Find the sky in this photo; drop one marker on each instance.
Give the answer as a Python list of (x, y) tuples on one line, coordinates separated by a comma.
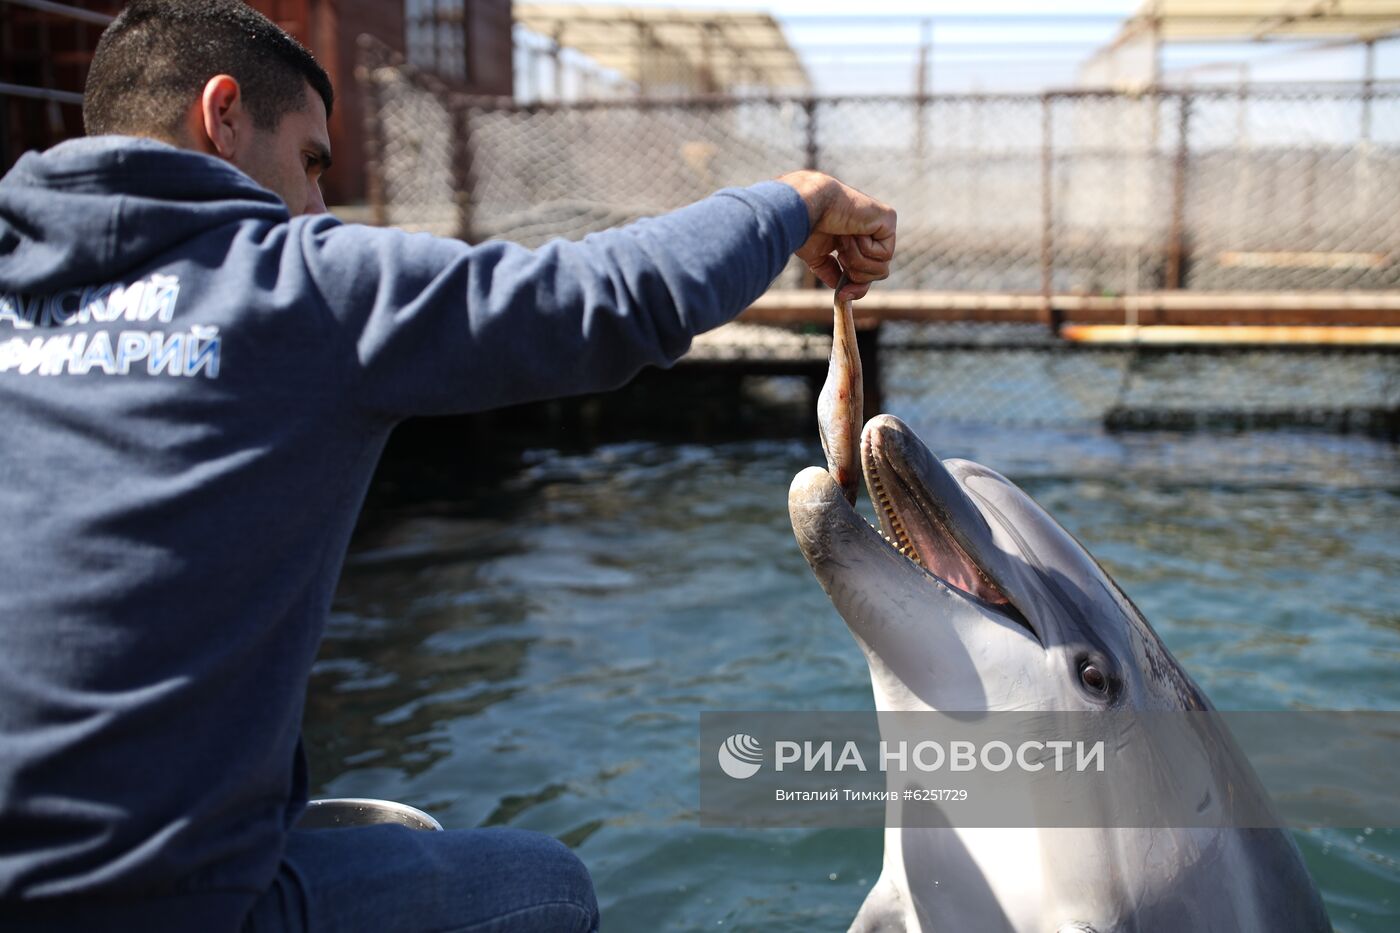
[(871, 46)]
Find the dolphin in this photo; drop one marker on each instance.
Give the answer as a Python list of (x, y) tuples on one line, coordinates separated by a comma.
[(971, 598)]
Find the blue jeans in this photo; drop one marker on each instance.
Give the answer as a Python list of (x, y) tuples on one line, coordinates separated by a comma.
[(383, 879)]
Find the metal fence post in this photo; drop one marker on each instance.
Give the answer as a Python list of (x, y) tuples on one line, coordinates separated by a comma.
[(1368, 90), (462, 165), (370, 56), (1051, 316), (1176, 247), (809, 107)]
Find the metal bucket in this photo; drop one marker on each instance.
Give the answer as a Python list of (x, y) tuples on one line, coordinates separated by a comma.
[(345, 812)]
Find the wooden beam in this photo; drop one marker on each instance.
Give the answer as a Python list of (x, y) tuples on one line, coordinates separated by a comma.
[(797, 307), (1232, 334), (1297, 259)]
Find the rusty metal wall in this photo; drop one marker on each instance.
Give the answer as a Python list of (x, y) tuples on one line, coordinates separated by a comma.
[(465, 42), (490, 48), (330, 29), (47, 50)]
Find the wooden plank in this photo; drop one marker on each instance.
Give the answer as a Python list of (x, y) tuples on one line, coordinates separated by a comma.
[(796, 307), (1235, 334), (1303, 260)]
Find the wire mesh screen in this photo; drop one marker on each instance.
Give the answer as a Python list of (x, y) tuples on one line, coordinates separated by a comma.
[(1024, 378), (1292, 191), (1110, 206), (416, 162), (1076, 193), (581, 170), (1079, 192), (965, 174)]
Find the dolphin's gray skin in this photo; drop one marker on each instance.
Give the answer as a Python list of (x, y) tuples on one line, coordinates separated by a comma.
[(976, 599)]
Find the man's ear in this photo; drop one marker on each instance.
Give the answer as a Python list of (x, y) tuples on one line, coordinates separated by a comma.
[(218, 121)]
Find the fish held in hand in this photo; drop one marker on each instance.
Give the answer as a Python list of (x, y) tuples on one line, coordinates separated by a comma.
[(841, 405)]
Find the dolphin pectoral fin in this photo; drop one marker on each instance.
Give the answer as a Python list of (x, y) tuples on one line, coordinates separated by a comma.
[(882, 912)]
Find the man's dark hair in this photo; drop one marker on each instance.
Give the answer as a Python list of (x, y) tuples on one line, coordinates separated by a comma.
[(154, 59)]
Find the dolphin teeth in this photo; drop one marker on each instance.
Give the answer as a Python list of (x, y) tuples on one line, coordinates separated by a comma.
[(900, 540)]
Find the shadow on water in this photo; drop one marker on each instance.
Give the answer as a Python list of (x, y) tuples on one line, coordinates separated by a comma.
[(533, 647)]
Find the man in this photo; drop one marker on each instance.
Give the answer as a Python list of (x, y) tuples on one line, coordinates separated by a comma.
[(198, 371)]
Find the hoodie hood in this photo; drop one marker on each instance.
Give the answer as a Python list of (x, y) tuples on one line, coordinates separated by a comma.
[(61, 228)]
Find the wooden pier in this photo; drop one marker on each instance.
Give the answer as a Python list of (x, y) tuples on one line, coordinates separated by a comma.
[(1174, 308), (751, 349), (789, 332)]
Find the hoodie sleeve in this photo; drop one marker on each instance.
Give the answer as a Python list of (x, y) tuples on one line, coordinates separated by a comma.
[(435, 326)]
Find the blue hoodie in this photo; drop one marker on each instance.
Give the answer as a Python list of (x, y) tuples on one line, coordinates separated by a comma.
[(194, 391)]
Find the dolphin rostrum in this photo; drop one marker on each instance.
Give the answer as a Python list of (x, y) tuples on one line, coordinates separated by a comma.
[(971, 598)]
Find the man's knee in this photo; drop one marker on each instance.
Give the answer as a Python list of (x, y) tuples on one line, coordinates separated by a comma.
[(553, 888)]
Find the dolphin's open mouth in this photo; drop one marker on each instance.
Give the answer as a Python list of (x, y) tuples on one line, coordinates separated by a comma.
[(927, 522), (914, 518)]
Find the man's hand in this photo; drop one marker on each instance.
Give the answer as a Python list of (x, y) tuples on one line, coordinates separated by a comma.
[(846, 225)]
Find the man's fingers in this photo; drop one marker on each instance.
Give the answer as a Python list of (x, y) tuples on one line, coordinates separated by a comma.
[(847, 224), (853, 290), (827, 269), (881, 249), (868, 217), (862, 268), (864, 240), (862, 261), (857, 283)]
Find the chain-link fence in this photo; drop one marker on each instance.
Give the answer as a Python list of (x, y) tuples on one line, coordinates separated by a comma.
[(1025, 378), (1071, 193), (1019, 374)]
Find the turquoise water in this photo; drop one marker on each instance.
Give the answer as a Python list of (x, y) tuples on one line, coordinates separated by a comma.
[(536, 653)]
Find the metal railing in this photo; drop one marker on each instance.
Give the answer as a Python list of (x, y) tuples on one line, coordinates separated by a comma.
[(64, 9), (44, 122)]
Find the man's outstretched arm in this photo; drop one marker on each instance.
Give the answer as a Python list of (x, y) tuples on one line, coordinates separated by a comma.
[(430, 325)]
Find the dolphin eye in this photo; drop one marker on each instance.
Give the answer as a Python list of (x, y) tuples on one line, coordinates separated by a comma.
[(1092, 677)]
